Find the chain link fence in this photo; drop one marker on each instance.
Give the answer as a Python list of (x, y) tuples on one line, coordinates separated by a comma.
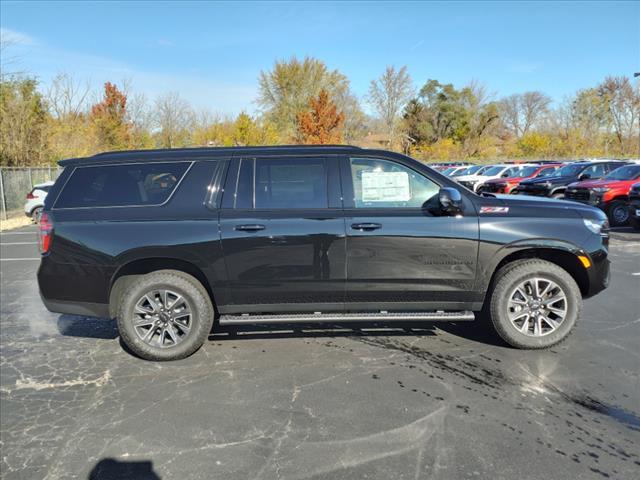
[(17, 182)]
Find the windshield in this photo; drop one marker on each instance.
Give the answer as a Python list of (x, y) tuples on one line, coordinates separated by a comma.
[(447, 171), (568, 170), (493, 171), (525, 172), (468, 171), (624, 173)]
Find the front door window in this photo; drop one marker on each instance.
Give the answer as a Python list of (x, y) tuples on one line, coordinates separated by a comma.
[(384, 184)]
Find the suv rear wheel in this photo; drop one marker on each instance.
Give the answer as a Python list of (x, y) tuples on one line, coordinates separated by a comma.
[(165, 315), (534, 304)]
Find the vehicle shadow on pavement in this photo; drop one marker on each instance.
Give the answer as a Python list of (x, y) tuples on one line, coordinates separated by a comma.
[(112, 469), (89, 327), (477, 331)]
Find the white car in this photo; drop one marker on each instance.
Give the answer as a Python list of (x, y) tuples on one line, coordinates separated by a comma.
[(473, 182), (35, 200)]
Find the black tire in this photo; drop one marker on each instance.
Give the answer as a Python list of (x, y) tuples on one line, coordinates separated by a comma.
[(511, 276), (201, 319), (618, 213), (635, 223), (558, 196), (35, 214)]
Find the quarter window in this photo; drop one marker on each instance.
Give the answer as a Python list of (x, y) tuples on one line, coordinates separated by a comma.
[(384, 184), (121, 185)]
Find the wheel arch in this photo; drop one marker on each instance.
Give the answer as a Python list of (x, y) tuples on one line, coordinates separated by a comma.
[(129, 271), (561, 255)]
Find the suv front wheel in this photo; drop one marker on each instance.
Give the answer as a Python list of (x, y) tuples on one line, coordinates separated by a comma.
[(165, 315), (534, 304)]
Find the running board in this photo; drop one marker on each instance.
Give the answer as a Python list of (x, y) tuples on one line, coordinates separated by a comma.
[(347, 317)]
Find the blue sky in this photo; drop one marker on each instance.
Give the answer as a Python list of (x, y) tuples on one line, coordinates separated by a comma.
[(212, 52)]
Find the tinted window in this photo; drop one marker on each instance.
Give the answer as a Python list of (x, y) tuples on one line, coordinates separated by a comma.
[(568, 171), (121, 185), (524, 172), (291, 183), (493, 170), (385, 184), (629, 172), (595, 171), (547, 172)]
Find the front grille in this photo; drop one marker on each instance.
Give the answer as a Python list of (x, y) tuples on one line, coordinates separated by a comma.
[(466, 184), (493, 187), (533, 190), (577, 194)]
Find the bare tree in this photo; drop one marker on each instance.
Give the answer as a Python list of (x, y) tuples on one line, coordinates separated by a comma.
[(174, 118), (623, 104), (67, 98), (389, 94), (520, 112), (8, 62)]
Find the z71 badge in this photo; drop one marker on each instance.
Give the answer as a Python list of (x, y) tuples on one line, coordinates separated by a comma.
[(494, 209)]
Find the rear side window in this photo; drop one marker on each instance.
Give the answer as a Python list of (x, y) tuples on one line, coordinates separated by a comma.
[(291, 183), (121, 185)]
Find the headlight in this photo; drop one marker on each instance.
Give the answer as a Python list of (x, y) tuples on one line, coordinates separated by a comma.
[(601, 189), (596, 226)]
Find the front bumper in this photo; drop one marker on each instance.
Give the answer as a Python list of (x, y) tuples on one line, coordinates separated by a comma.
[(539, 191), (599, 275), (84, 309)]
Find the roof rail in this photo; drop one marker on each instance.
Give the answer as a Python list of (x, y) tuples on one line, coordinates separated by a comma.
[(272, 147)]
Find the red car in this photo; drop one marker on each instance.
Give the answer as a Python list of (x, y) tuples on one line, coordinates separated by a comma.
[(609, 193), (507, 184)]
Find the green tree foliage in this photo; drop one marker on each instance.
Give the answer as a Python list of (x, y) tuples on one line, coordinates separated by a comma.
[(285, 91), (442, 112), (23, 119)]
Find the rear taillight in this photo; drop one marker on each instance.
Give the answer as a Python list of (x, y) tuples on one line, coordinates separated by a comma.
[(45, 232), (30, 196)]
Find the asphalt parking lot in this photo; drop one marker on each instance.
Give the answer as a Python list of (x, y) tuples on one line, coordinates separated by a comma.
[(339, 401)]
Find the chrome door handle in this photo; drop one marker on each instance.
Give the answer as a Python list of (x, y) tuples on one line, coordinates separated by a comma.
[(249, 228), (366, 226)]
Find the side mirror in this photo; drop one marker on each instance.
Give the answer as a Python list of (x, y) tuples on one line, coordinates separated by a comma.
[(584, 176), (450, 201), (505, 175)]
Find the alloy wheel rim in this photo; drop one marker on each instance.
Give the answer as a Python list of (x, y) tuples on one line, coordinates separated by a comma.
[(537, 306), (162, 318), (621, 214)]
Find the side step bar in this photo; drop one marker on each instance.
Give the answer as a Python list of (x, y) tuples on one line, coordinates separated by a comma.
[(347, 317)]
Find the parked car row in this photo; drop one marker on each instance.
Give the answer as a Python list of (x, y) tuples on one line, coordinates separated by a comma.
[(606, 184)]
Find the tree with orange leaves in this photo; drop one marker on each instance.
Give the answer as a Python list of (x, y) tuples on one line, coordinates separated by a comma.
[(109, 119), (322, 124)]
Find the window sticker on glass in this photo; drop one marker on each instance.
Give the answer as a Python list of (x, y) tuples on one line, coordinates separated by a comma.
[(385, 186)]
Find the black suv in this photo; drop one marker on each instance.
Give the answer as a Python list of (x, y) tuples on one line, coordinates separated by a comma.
[(167, 241), (554, 186)]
